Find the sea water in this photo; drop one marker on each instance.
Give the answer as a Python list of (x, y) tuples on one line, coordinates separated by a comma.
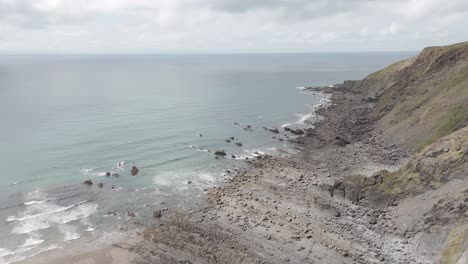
[(65, 119)]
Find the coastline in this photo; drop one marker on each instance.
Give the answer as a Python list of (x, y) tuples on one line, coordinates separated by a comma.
[(359, 189), (114, 253), (279, 208)]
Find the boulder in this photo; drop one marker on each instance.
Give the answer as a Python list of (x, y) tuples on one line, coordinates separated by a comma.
[(134, 171), (108, 174), (341, 141), (220, 153), (88, 182), (297, 131), (157, 213), (274, 130)]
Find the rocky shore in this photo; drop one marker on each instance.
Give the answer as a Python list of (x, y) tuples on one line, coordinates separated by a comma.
[(281, 209), (356, 192), (353, 193)]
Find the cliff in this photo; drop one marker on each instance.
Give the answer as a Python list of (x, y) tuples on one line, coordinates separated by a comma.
[(421, 104)]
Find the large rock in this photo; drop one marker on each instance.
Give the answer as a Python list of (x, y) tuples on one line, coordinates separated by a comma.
[(220, 153), (134, 171), (157, 213), (274, 130), (88, 182), (341, 141), (297, 131)]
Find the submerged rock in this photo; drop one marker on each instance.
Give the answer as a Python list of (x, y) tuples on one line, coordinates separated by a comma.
[(88, 182), (134, 171), (274, 130), (108, 174), (100, 185), (116, 175), (220, 153), (238, 144)]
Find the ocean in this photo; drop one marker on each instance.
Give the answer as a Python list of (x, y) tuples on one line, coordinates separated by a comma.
[(70, 118)]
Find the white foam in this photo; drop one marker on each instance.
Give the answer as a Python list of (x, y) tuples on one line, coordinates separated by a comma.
[(59, 209), (303, 118), (93, 172), (36, 252), (199, 148), (286, 125), (35, 202), (206, 177), (52, 215), (32, 242), (69, 232), (9, 252), (5, 252)]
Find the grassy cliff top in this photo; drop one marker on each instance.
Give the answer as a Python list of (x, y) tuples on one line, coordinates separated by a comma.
[(423, 98)]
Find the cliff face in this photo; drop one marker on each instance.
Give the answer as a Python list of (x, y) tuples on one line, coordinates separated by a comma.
[(422, 104), (423, 98)]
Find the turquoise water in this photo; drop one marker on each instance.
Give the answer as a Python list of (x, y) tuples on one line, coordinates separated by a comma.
[(68, 118)]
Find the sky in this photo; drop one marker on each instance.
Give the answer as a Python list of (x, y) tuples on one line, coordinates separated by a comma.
[(229, 26)]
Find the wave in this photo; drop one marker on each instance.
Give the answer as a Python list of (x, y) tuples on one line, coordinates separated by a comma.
[(93, 172), (35, 202), (32, 242), (303, 118), (8, 252), (200, 148), (18, 258), (52, 215), (12, 218), (69, 232)]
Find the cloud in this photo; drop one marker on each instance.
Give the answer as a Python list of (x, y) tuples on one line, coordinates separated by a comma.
[(228, 25)]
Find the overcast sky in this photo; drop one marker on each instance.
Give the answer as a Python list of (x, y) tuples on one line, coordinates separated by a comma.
[(214, 26)]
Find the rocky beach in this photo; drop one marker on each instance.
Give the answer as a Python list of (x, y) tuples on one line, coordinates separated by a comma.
[(380, 178)]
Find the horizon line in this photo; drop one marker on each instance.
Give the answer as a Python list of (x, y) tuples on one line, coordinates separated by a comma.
[(202, 53)]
